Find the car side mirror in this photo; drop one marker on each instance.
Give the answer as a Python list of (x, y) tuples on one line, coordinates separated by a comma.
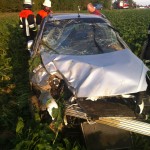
[(146, 51)]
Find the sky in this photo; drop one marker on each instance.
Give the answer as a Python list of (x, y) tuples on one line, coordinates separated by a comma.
[(142, 2)]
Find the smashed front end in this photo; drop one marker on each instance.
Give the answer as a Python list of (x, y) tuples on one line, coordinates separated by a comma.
[(83, 64)]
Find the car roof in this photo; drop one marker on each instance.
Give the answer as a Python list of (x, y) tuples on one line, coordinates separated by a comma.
[(74, 16)]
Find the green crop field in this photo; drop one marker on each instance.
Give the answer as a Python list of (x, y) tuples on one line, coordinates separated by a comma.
[(19, 127), (132, 26)]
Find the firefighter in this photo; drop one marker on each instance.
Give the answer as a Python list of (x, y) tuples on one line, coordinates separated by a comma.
[(27, 23), (44, 12), (93, 9)]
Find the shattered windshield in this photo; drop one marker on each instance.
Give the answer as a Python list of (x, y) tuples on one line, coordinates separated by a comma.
[(79, 37)]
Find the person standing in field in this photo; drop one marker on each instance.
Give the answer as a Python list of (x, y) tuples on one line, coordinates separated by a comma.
[(46, 10), (27, 23), (93, 9)]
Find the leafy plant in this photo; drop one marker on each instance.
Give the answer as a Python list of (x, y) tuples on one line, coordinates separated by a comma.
[(132, 26)]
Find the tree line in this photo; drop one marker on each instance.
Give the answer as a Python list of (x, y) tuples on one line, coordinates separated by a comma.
[(57, 5)]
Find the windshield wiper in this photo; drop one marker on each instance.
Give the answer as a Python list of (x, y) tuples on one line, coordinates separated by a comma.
[(113, 28)]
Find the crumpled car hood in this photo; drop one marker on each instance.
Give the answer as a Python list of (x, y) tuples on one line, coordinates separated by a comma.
[(108, 74)]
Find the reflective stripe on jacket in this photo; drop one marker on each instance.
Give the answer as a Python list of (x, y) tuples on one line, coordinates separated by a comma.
[(27, 21)]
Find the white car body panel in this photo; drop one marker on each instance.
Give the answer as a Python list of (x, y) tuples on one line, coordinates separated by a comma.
[(108, 74)]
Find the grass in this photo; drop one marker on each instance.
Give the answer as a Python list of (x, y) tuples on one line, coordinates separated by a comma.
[(20, 124)]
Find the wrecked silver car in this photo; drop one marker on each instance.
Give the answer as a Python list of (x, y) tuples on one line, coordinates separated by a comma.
[(82, 61)]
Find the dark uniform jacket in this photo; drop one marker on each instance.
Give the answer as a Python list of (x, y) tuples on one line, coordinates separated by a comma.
[(27, 23)]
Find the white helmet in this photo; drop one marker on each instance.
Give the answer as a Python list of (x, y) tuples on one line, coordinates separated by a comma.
[(29, 2), (47, 3)]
